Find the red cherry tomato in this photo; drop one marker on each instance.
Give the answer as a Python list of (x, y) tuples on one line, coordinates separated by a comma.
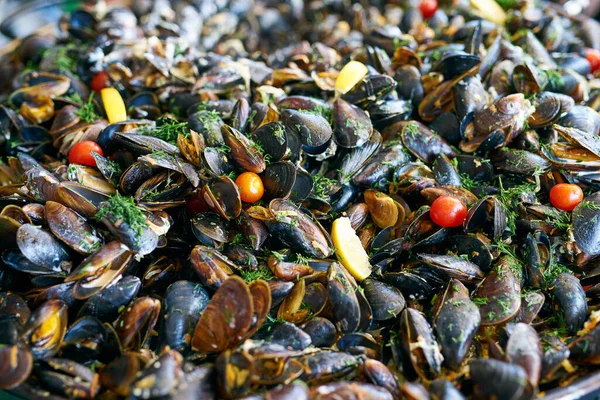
[(448, 211), (593, 56), (428, 8), (100, 81), (197, 204), (81, 153), (565, 196), (251, 187)]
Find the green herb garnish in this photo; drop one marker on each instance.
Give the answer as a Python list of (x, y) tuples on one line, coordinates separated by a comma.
[(260, 273), (167, 130), (87, 112), (123, 207)]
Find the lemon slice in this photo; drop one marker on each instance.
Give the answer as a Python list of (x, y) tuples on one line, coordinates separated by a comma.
[(349, 249), (113, 105), (490, 10), (350, 75)]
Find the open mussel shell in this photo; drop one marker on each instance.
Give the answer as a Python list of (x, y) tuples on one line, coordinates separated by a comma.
[(211, 230), (279, 179), (212, 267), (243, 152), (16, 363), (141, 241), (358, 159), (487, 215), (423, 142), (568, 292), (120, 372), (370, 89), (81, 199), (414, 328), (100, 269), (453, 266), (386, 301), (297, 230), (89, 340), (46, 328), (135, 324), (500, 379), (223, 197)]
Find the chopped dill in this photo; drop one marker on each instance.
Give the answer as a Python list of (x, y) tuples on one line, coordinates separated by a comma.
[(590, 205), (211, 117), (300, 259), (553, 269), (87, 112), (123, 207), (480, 301), (63, 57), (555, 79), (510, 198), (167, 130), (224, 149), (254, 275)]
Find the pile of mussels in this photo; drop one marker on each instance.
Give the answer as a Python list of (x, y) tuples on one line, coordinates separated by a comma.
[(148, 269)]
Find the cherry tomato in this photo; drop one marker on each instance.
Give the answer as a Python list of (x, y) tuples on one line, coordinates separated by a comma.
[(81, 153), (197, 204), (251, 187), (100, 81), (593, 56), (448, 211), (428, 8), (565, 196)]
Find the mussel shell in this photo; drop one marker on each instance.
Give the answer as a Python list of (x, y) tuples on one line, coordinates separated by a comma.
[(72, 229), (427, 360), (46, 328), (502, 293), (495, 378), (43, 249), (297, 230), (226, 319), (210, 229), (184, 302), (585, 231), (386, 301), (99, 269), (107, 303), (351, 125), (456, 323), (568, 292)]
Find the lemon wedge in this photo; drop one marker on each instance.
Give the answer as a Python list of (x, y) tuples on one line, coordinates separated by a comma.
[(349, 249), (490, 10), (113, 105), (350, 75)]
